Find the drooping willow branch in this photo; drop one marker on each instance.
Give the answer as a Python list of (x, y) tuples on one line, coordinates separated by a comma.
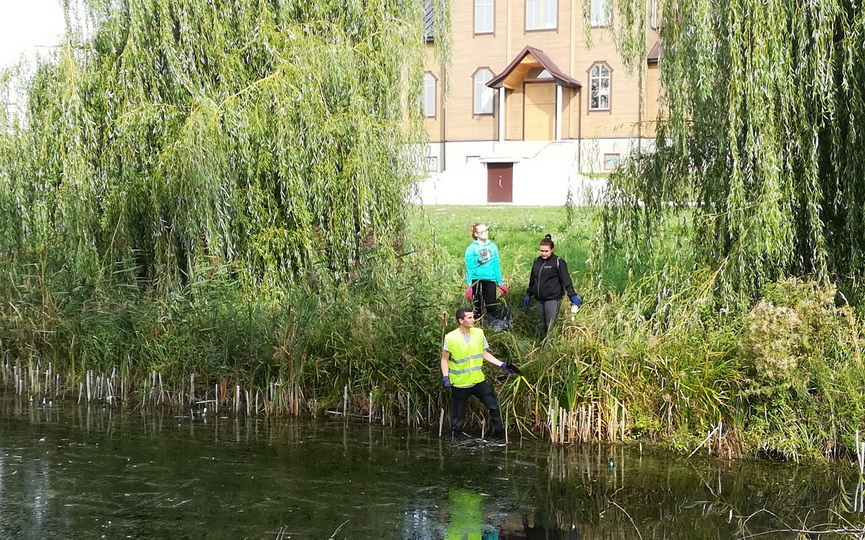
[(273, 136), (762, 117)]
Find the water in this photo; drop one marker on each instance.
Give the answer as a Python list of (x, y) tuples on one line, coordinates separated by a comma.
[(92, 472)]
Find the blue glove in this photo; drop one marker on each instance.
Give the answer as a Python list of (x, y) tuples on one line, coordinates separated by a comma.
[(506, 369), (446, 381), (527, 300), (575, 300)]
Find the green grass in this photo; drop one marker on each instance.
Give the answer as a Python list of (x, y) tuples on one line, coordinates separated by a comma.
[(517, 231), (784, 377), (651, 342)]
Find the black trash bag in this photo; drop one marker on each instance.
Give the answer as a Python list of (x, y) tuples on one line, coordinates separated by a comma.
[(503, 322)]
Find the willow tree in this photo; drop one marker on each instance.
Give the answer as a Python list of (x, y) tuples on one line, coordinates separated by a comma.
[(272, 137), (760, 137)]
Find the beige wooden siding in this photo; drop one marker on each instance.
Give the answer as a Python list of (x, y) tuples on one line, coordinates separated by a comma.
[(653, 88), (514, 114), (567, 47)]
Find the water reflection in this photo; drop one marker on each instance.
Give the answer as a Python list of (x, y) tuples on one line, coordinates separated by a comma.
[(465, 519), (469, 519), (81, 472)]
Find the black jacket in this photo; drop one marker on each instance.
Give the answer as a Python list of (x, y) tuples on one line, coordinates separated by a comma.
[(549, 279)]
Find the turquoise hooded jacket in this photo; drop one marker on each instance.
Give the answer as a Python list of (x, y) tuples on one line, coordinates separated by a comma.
[(482, 262)]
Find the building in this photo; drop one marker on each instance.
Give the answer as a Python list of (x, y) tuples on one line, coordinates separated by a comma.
[(540, 105)]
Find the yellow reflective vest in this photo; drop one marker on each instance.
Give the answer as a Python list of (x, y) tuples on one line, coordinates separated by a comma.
[(464, 365), (466, 519)]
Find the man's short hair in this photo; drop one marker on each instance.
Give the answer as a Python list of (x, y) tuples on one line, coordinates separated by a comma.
[(461, 313)]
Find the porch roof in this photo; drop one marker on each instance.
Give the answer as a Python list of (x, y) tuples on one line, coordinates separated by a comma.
[(530, 58)]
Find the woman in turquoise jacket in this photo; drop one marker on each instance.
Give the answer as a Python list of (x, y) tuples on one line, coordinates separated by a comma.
[(483, 272)]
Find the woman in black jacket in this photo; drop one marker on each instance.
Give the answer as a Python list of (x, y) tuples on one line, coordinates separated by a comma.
[(548, 282)]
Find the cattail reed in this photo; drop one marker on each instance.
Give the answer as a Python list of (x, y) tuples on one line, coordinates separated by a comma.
[(587, 422), (345, 401), (860, 455)]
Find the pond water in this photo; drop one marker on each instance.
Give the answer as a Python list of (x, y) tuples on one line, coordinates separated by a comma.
[(69, 471)]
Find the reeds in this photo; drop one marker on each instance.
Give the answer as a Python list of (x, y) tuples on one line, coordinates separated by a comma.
[(588, 422), (277, 398), (370, 353), (630, 366)]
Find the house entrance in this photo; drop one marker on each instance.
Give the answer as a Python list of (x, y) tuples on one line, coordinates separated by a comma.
[(500, 182), (539, 116)]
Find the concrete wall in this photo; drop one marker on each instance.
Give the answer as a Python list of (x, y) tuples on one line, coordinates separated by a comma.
[(543, 172)]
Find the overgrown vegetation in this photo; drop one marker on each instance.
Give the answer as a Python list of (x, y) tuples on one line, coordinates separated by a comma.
[(651, 356), (217, 188), (229, 213), (763, 102), (744, 229)]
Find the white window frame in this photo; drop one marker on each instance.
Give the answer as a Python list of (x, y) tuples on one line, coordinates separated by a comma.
[(542, 14), (602, 13), (597, 73), (484, 16), (482, 95), (654, 21), (428, 97)]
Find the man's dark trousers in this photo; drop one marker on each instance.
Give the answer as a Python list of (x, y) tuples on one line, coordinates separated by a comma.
[(485, 393)]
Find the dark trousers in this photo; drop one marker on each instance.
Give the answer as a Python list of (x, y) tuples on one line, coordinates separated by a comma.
[(485, 393), (548, 312), (484, 295)]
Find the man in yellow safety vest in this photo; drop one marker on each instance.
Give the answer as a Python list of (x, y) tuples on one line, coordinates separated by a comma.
[(463, 353)]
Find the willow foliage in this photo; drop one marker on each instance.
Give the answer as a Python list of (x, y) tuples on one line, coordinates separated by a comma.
[(758, 143), (271, 136)]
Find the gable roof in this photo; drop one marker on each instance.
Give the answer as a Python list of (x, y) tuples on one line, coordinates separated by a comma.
[(527, 59)]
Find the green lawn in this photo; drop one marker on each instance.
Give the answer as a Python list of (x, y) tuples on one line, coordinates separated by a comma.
[(516, 230)]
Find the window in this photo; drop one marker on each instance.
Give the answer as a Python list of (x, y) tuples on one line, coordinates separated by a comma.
[(599, 87), (429, 95), (432, 164), (541, 14), (484, 23), (602, 12), (538, 73), (611, 161), (483, 93), (653, 16)]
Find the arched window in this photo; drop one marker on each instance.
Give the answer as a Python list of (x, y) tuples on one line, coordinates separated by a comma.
[(483, 93), (429, 95), (600, 83)]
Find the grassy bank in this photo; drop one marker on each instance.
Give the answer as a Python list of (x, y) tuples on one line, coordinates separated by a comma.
[(649, 356), (213, 223), (780, 377)]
